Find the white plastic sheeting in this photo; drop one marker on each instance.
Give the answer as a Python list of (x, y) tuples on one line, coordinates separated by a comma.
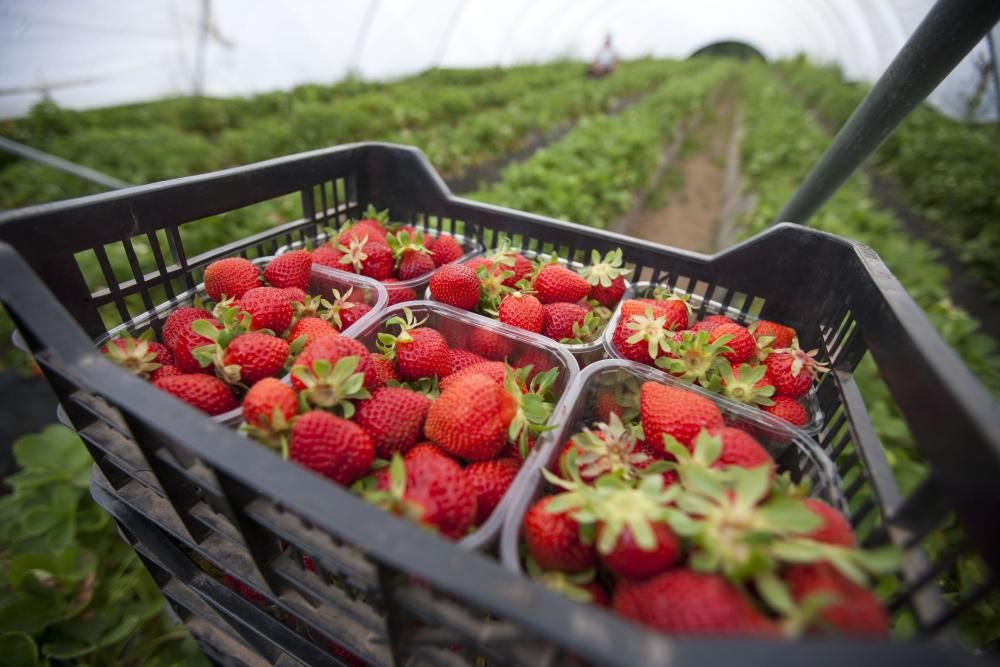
[(101, 52)]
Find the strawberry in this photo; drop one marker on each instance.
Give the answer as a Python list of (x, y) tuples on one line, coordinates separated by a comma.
[(270, 405), (490, 481), (692, 357), (268, 308), (343, 655), (788, 409), (204, 392), (350, 313), (332, 371), (523, 311), (773, 335), (606, 278), (333, 447), (294, 295), (165, 371), (680, 413), (642, 307), (852, 609), (425, 448), (251, 357), (506, 261), (563, 320), (369, 258), (494, 370), (677, 312), (538, 359), (431, 489), (745, 383), (246, 592), (456, 285), (419, 352), (685, 602), (180, 320), (711, 322), (628, 558), (230, 277), (609, 448), (312, 328), (415, 264), (835, 529), (742, 345), (398, 294), (791, 371), (394, 419), (328, 256), (553, 539), (642, 338), (139, 357), (293, 269), (557, 283), (446, 250), (471, 418), (490, 344), (739, 448), (463, 358), (476, 263), (384, 370), (186, 342)]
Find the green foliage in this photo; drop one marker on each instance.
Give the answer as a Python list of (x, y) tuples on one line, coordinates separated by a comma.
[(773, 166), (948, 170), (71, 589)]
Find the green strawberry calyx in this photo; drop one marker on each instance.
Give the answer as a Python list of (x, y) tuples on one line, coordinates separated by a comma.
[(387, 343), (272, 431), (332, 387), (587, 330), (604, 271), (572, 585), (612, 448), (745, 386), (403, 242), (234, 323), (492, 290), (650, 329), (534, 404), (372, 213), (696, 358), (135, 355)]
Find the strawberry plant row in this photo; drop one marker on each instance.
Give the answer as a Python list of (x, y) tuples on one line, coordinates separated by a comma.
[(591, 174)]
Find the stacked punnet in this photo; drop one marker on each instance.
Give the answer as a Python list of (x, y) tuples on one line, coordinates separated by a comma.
[(246, 326), (760, 364), (675, 514)]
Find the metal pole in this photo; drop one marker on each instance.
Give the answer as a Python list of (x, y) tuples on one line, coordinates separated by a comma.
[(50, 160), (946, 35), (993, 69)]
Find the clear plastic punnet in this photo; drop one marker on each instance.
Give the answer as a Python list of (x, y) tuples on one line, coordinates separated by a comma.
[(699, 304), (468, 331), (792, 449)]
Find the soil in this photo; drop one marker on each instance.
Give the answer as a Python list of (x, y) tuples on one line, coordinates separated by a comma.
[(694, 207)]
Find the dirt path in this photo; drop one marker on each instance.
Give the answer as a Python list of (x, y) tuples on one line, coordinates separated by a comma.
[(687, 208)]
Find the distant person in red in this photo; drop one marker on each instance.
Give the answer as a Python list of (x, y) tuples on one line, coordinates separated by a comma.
[(606, 60)]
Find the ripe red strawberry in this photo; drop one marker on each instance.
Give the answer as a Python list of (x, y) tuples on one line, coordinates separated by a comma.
[(606, 277), (739, 448), (139, 357), (394, 419), (643, 338), (791, 372), (369, 227), (333, 447), (205, 392), (422, 353), (680, 413), (414, 264), (519, 265), (789, 409), (268, 308), (627, 559), (246, 592), (835, 529), (633, 307), (332, 349), (494, 370), (782, 336), (463, 358), (490, 481), (490, 344), (312, 328), (608, 296), (742, 345), (445, 250), (230, 277), (330, 257), (262, 399), (251, 357), (293, 269), (678, 313), (398, 293), (294, 295), (165, 371), (854, 610), (438, 492), (347, 313), (539, 360), (684, 602), (607, 448), (553, 540), (456, 285), (343, 655), (384, 370), (560, 318), (372, 258), (470, 418), (425, 448), (180, 320), (476, 262), (523, 311), (185, 343), (557, 283)]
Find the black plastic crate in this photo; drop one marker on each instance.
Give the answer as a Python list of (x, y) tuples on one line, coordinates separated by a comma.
[(222, 491)]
